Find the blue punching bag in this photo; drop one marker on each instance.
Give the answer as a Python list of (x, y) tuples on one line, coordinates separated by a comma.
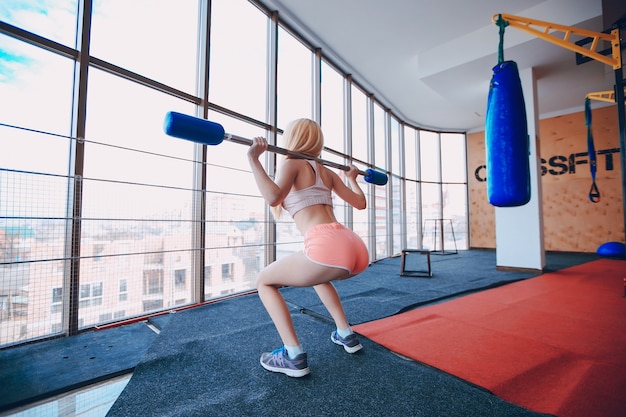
[(506, 139)]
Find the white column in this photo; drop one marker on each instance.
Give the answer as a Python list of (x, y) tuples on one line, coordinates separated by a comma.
[(519, 230)]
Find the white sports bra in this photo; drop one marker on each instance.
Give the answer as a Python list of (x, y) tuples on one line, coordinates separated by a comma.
[(318, 193)]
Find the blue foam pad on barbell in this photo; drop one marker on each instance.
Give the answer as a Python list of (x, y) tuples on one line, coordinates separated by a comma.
[(191, 128), (375, 177)]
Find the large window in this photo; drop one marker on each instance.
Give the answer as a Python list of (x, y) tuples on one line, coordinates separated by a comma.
[(104, 217)]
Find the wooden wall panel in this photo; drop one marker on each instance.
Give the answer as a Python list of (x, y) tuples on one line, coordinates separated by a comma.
[(571, 221), (481, 213)]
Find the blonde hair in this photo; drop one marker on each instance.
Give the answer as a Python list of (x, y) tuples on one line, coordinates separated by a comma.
[(303, 136)]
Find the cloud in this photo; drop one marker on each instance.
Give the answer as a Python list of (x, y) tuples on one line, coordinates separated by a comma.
[(10, 63)]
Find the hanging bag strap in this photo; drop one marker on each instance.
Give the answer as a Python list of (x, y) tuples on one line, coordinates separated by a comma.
[(501, 24), (594, 193)]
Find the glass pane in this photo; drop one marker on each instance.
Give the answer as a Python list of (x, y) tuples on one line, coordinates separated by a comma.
[(410, 153), (396, 183), (288, 237), (333, 123), (54, 20), (231, 154), (431, 213), (396, 187), (382, 234), (455, 210), (431, 188), (235, 214), (380, 152), (332, 108), (33, 198), (413, 215), (137, 201), (429, 157), (360, 218), (295, 79), (36, 88), (396, 155), (141, 36), (454, 164), (359, 125), (380, 138), (340, 208), (238, 64)]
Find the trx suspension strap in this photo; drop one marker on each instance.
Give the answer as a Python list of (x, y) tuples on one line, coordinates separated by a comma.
[(594, 193)]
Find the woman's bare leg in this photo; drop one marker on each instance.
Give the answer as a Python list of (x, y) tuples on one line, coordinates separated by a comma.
[(295, 270), (330, 298)]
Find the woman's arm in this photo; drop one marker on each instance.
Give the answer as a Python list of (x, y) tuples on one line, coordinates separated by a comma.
[(273, 192), (351, 194)]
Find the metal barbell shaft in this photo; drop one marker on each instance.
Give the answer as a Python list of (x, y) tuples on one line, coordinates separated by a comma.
[(206, 132)]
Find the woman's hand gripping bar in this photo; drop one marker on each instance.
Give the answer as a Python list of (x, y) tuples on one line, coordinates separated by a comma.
[(203, 131)]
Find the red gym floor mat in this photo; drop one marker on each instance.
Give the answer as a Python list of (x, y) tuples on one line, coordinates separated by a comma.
[(554, 344)]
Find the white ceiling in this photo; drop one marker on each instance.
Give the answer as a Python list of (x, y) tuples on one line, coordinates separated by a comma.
[(430, 61)]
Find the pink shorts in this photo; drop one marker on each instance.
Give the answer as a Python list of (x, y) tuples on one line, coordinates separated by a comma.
[(334, 245)]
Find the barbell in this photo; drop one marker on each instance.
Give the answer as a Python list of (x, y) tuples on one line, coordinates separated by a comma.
[(206, 132)]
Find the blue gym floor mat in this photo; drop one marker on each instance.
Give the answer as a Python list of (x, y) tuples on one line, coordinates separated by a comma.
[(205, 363)]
